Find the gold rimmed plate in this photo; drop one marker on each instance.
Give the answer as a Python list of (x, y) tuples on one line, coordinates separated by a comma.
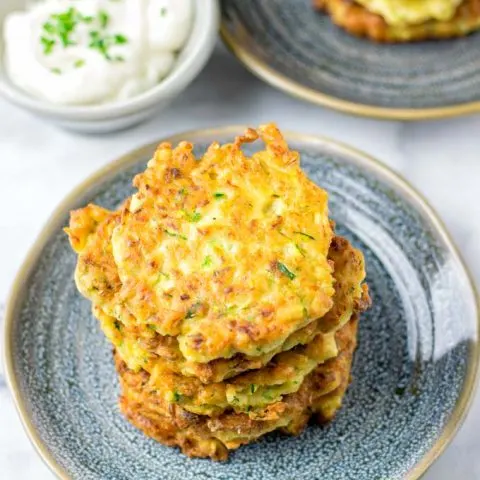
[(298, 50), (414, 371)]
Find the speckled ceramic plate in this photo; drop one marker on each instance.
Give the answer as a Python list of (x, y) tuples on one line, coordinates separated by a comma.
[(413, 375), (300, 51)]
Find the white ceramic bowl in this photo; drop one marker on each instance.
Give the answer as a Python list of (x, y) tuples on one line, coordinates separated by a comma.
[(120, 115)]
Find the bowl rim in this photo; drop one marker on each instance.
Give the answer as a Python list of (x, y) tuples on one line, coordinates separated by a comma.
[(358, 157), (203, 37), (282, 82)]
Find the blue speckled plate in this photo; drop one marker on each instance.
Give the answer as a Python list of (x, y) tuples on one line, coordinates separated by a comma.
[(413, 375), (300, 51)]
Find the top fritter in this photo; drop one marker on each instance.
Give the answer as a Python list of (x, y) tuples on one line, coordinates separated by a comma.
[(227, 253)]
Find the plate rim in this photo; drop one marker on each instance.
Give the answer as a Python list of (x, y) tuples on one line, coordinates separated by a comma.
[(370, 163), (283, 83)]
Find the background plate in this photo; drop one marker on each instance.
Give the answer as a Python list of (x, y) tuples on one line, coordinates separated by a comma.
[(300, 51), (413, 375)]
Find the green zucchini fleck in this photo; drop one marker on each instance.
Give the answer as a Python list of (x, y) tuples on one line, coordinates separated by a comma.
[(305, 235), (282, 268)]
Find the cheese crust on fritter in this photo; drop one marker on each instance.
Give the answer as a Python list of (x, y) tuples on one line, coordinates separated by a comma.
[(201, 436), (356, 19), (228, 253)]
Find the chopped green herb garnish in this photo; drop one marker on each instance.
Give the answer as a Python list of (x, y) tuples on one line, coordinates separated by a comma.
[(285, 271), (227, 310), (193, 217), (163, 11), (151, 327), (300, 249), (79, 63), (182, 191), (49, 28), (102, 42), (207, 261), (235, 399), (60, 27), (282, 234), (120, 39), (253, 388), (305, 235), (176, 396), (63, 25), (103, 18), (219, 195), (57, 71), (192, 311), (163, 275), (117, 324), (48, 45), (174, 234)]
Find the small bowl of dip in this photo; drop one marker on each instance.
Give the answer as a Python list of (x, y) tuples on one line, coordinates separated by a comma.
[(102, 65)]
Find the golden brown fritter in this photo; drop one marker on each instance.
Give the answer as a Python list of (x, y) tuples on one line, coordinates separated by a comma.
[(249, 392), (96, 274), (255, 390), (229, 253), (202, 436), (359, 21), (143, 348), (140, 345)]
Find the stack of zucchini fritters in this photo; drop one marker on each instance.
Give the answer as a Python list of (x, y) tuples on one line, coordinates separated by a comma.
[(230, 302)]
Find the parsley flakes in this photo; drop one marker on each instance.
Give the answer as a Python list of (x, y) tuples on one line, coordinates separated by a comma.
[(60, 28)]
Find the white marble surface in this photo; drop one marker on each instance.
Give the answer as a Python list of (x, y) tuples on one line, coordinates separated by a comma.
[(39, 165)]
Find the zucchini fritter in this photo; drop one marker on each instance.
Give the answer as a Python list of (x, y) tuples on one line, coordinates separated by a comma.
[(144, 348), (358, 20), (203, 436), (255, 390), (228, 253)]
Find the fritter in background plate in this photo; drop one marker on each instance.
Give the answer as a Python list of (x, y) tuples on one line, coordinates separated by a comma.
[(356, 19)]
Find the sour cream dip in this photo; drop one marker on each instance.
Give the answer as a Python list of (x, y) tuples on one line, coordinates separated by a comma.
[(89, 52)]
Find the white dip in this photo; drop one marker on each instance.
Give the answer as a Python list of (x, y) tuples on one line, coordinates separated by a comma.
[(85, 52)]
